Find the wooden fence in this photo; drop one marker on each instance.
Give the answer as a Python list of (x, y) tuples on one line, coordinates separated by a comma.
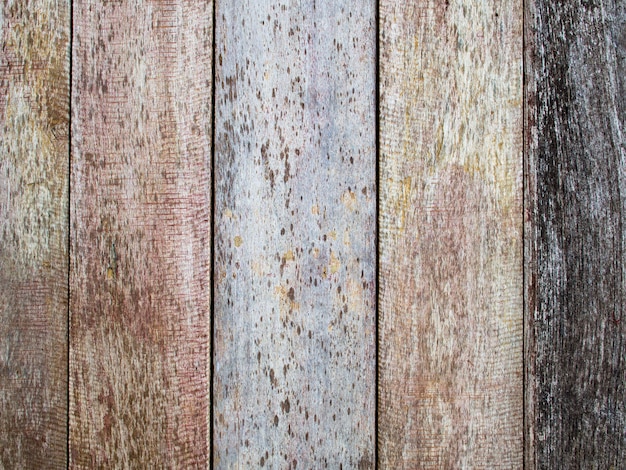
[(312, 234)]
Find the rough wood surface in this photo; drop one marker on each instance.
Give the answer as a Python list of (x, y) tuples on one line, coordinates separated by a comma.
[(295, 234), (140, 234), (451, 310), (34, 123), (577, 85)]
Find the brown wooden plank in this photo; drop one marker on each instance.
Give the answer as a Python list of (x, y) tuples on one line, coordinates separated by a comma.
[(577, 111), (140, 241), (34, 123), (295, 234), (451, 307)]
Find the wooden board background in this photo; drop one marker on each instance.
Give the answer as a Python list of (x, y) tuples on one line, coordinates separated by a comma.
[(295, 235), (451, 313), (140, 239), (576, 74), (34, 155)]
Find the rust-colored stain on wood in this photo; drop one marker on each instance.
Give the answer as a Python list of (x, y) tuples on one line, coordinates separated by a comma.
[(140, 242), (450, 317), (34, 123)]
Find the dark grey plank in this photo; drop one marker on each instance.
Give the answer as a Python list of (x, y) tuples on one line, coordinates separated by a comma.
[(576, 400)]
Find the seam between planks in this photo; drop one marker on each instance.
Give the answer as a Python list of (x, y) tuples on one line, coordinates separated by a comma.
[(377, 210), (69, 228), (529, 266), (524, 181), (212, 242)]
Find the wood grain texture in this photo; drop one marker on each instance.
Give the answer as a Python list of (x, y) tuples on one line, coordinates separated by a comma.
[(34, 123), (295, 234), (577, 111), (451, 223), (140, 241)]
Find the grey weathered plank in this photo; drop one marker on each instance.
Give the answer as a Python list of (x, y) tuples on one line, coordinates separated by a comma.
[(295, 234), (451, 223), (34, 123), (140, 239), (577, 111)]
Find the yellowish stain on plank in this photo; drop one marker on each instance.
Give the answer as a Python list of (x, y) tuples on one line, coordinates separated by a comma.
[(34, 154), (450, 324)]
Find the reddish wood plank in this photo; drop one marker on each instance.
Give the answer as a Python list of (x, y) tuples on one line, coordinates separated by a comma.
[(450, 324), (140, 246), (34, 123), (295, 234), (576, 85)]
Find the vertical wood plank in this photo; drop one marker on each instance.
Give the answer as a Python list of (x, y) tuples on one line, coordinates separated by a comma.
[(34, 123), (140, 247), (295, 234), (577, 110), (451, 283)]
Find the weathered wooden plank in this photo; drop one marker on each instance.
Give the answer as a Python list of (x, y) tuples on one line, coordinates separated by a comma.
[(34, 123), (577, 111), (451, 307), (140, 241), (295, 234)]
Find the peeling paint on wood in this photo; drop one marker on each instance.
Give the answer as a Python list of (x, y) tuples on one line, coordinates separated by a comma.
[(576, 79), (140, 228), (295, 235), (451, 309), (34, 123)]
